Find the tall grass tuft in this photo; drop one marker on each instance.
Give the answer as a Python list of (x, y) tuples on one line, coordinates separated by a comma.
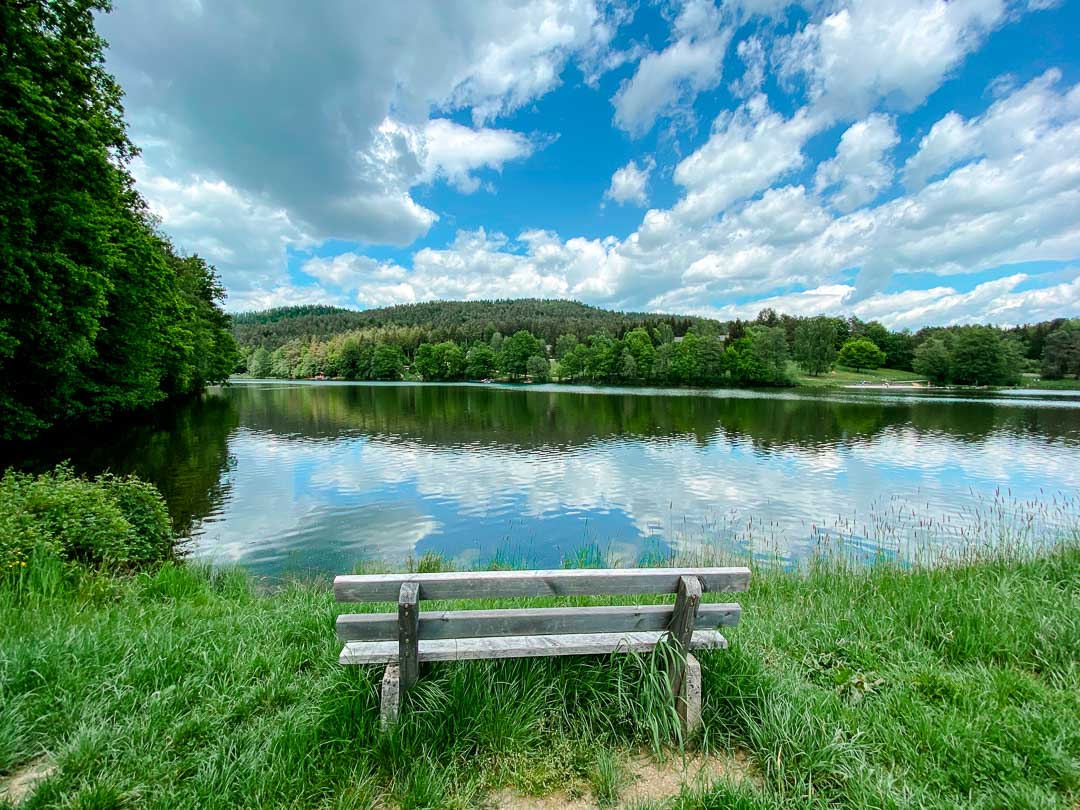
[(606, 778)]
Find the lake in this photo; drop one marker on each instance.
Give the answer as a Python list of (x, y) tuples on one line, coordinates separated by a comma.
[(314, 478)]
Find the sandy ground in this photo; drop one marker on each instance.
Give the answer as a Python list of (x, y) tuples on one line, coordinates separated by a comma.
[(901, 386), (646, 780), (18, 786)]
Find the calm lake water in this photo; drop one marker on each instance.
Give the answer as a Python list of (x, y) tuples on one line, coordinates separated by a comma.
[(312, 478)]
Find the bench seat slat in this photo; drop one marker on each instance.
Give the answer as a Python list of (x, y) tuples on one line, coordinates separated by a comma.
[(532, 621), (464, 649), (557, 582)]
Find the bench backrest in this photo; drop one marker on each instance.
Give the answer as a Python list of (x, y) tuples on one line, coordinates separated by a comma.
[(409, 589)]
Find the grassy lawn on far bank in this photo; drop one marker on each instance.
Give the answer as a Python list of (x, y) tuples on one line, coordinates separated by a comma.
[(842, 375), (1033, 381), (847, 688)]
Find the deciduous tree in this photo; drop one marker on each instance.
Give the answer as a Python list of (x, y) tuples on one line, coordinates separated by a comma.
[(538, 368), (815, 345), (932, 360), (860, 353), (1061, 351), (479, 362), (980, 357)]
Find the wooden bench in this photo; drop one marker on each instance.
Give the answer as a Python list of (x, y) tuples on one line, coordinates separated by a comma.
[(408, 638)]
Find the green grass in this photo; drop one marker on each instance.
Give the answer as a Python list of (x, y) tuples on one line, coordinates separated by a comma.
[(606, 778), (842, 375), (1050, 385), (846, 688)]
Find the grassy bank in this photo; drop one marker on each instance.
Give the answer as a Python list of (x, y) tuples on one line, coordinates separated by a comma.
[(1050, 385), (843, 688), (841, 375)]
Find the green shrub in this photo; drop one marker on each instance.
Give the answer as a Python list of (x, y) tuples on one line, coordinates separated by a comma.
[(143, 508), (119, 522)]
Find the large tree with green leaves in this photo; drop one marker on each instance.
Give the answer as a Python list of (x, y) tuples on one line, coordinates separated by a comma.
[(97, 312), (515, 351), (639, 347), (932, 360), (538, 368), (981, 356), (759, 358), (815, 345), (860, 353), (479, 362), (1061, 351)]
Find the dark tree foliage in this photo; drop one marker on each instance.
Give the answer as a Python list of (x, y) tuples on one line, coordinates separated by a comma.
[(479, 362), (513, 358), (1061, 351), (1033, 336), (981, 356), (815, 344), (899, 348), (461, 321), (708, 353), (98, 314), (538, 368), (441, 362), (932, 360)]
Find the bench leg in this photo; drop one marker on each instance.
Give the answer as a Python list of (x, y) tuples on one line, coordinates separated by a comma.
[(689, 698), (391, 697)]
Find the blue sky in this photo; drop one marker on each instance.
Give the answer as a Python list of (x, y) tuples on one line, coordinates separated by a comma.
[(913, 161)]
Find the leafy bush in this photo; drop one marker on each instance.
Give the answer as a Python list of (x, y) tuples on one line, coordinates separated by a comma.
[(144, 508), (114, 521)]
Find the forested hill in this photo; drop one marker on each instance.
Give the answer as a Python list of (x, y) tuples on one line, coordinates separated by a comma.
[(462, 321)]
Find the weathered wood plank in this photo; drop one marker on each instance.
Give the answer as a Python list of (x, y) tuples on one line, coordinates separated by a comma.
[(505, 584), (408, 634), (532, 621), (683, 620), (382, 652), (689, 700), (390, 697)]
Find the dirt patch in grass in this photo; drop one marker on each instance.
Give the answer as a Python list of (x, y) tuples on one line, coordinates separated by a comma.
[(653, 781), (15, 788), (646, 780), (509, 800)]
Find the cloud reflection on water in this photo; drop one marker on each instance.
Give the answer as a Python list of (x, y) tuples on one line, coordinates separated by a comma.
[(322, 477)]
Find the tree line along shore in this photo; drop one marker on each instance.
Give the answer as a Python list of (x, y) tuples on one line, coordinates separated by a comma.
[(554, 342)]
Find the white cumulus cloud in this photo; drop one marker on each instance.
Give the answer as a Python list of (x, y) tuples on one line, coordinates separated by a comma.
[(336, 130), (667, 80), (446, 150), (748, 150), (290, 109), (861, 169), (899, 51), (1013, 123), (628, 183)]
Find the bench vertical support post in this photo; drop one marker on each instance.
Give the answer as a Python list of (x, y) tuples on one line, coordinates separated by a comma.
[(390, 698), (409, 634), (689, 700), (683, 619)]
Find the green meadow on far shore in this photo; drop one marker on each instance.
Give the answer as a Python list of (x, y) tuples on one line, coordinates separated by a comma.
[(1050, 385), (841, 375), (844, 376), (844, 687)]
